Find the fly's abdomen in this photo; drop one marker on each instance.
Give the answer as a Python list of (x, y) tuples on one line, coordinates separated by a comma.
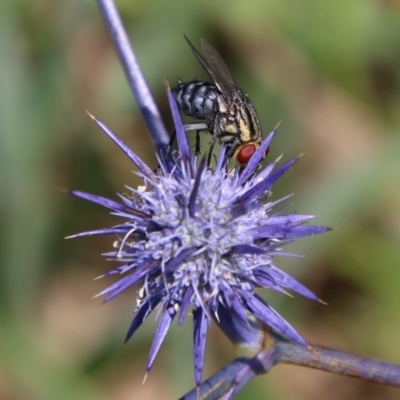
[(196, 99)]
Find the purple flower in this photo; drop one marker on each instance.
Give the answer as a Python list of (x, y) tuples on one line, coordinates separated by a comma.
[(198, 241)]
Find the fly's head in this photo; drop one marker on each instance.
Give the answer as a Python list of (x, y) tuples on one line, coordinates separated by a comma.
[(245, 151)]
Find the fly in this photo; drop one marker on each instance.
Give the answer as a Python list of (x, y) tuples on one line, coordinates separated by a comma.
[(226, 110)]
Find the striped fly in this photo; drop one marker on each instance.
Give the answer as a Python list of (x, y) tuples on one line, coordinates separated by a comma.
[(221, 107)]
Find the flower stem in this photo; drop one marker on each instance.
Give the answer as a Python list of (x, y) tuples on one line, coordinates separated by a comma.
[(340, 363), (230, 379), (134, 75)]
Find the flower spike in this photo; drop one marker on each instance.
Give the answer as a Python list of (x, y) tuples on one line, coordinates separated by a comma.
[(200, 241)]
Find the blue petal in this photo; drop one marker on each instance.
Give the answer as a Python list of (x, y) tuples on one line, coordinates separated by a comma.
[(245, 249), (181, 137), (195, 190), (103, 201), (185, 305), (166, 163), (266, 171), (232, 301), (307, 230), (147, 307), (287, 227), (171, 264), (269, 231), (283, 279), (116, 271), (261, 187), (133, 157), (98, 232), (118, 287), (162, 329), (270, 317), (290, 219), (265, 281), (200, 322), (239, 331), (221, 159)]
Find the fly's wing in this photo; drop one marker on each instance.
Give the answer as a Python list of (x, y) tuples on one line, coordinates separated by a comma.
[(215, 68), (217, 65)]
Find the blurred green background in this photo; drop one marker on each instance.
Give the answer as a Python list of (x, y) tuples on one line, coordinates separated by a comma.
[(330, 71)]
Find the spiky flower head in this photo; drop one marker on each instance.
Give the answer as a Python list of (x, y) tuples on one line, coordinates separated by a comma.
[(198, 241)]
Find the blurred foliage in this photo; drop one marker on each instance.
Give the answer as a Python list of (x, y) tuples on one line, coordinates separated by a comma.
[(330, 71)]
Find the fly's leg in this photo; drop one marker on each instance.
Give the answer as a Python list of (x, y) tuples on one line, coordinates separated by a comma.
[(201, 126), (210, 152), (170, 144), (198, 127), (168, 152), (197, 146)]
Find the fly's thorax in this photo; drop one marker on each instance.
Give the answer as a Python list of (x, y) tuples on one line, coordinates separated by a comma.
[(228, 128), (221, 104), (249, 126), (255, 122), (225, 124), (239, 122), (244, 128)]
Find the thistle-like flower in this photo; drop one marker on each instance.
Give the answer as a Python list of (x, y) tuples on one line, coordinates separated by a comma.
[(199, 241)]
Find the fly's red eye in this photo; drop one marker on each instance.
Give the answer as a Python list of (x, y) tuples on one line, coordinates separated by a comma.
[(245, 153)]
